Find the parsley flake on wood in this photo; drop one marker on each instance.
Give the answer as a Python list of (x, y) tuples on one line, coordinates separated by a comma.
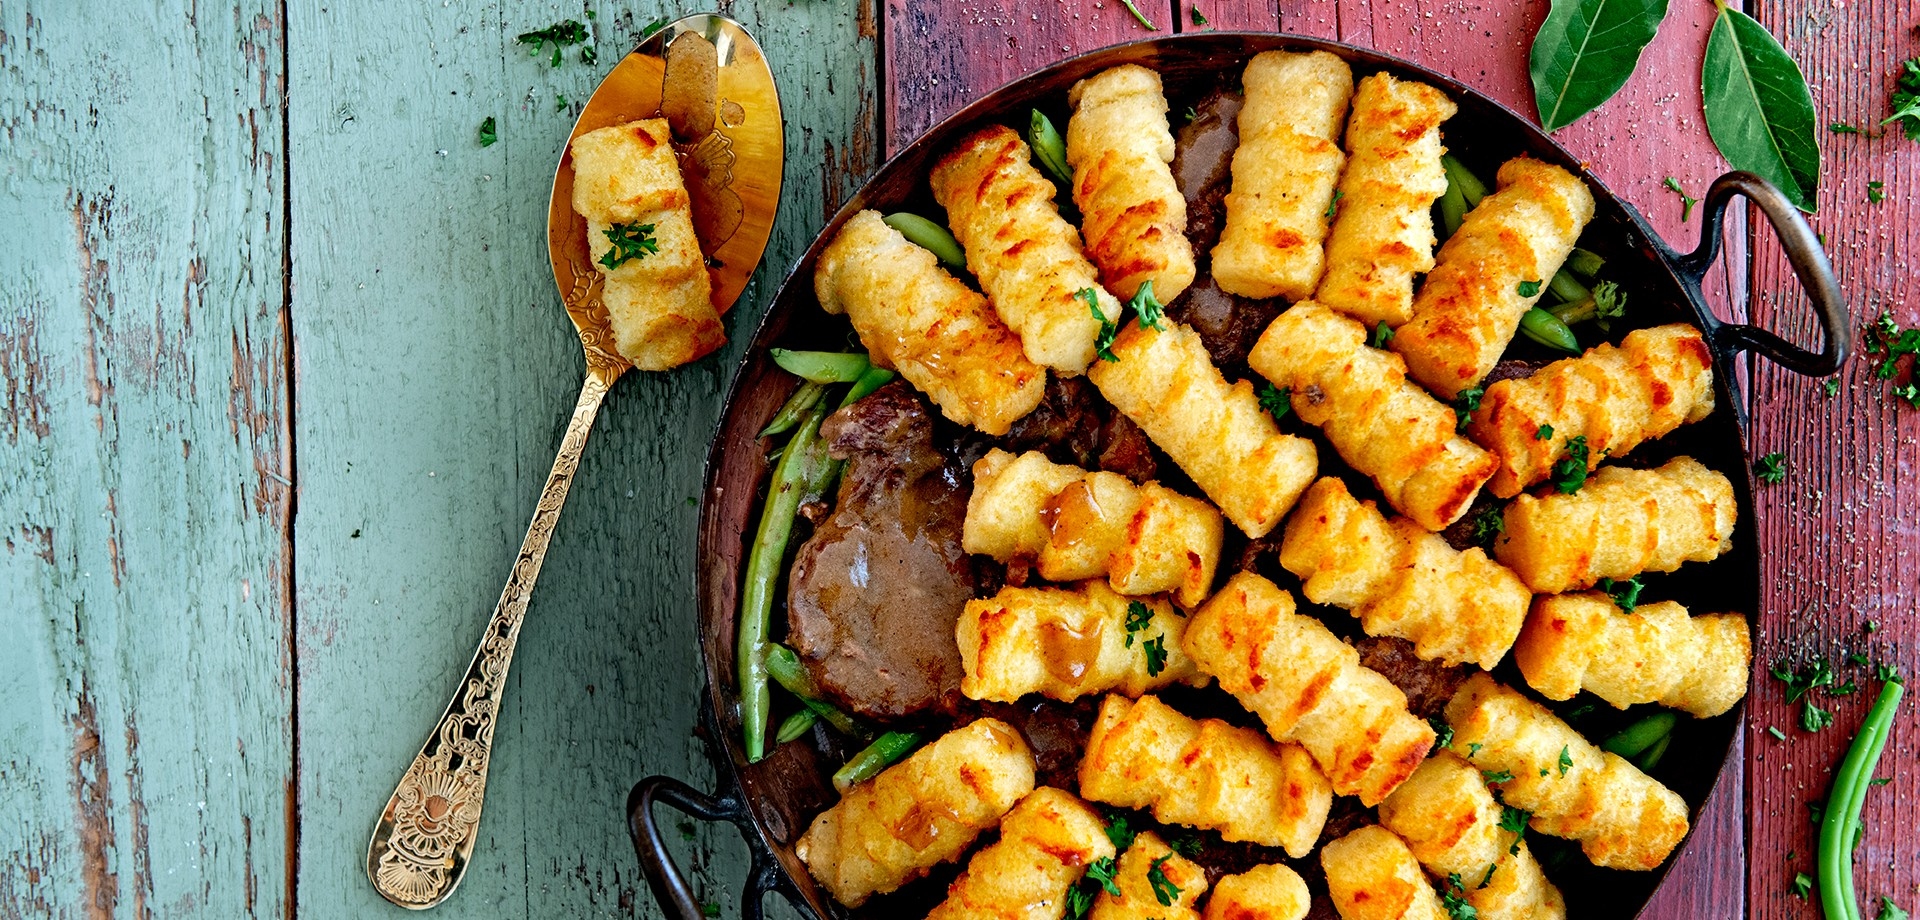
[(1876, 191), (1198, 19), (1529, 288), (1333, 207), (1164, 890), (1817, 674), (1142, 17), (1156, 649), (1139, 616), (1880, 781), (559, 103), (560, 35), (489, 132), (1841, 127), (1109, 328), (1570, 471), (1147, 307), (1686, 201), (1889, 910), (1813, 718), (629, 242), (1488, 524), (1830, 388), (1277, 401), (1625, 594), (1465, 403), (1802, 886), (1906, 99), (1772, 468), (1777, 734), (1545, 433), (1382, 334)]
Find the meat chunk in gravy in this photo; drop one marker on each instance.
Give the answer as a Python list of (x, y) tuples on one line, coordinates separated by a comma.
[(874, 594)]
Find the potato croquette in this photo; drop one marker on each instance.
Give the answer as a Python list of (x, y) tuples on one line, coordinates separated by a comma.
[(1654, 654), (1204, 773), (1067, 643), (1308, 687), (1451, 823), (918, 813), (1165, 382), (1383, 225), (1284, 173), (1616, 398), (938, 333), (660, 303), (1181, 883), (1400, 580), (1622, 818), (1131, 211), (1372, 876), (1470, 305), (1027, 257), (1620, 523), (1269, 892), (1045, 844), (1381, 423)]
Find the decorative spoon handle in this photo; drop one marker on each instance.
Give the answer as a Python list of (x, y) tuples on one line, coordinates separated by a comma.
[(425, 835)]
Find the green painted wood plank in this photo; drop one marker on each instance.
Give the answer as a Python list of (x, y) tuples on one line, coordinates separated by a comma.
[(434, 371), (145, 756)]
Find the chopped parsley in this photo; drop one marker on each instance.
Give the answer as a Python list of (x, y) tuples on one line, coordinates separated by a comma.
[(1544, 433), (1686, 201), (1777, 734), (489, 132), (1138, 617), (1880, 781), (1191, 114), (1488, 524), (1488, 879), (1164, 890), (1473, 748), (1147, 307), (1608, 303), (1442, 734), (1102, 346), (1906, 99), (1503, 776), (1101, 871), (1772, 468), (1889, 910), (1887, 673), (1156, 649), (656, 25), (1198, 19), (1813, 718), (709, 908), (1453, 898), (560, 35), (1333, 207), (1514, 820), (1142, 17), (1382, 335), (1802, 886), (1876, 192), (1118, 832), (1529, 288), (1465, 403), (1570, 471), (1830, 388), (1079, 901), (629, 242), (1188, 846), (559, 103), (1566, 760), (1847, 689), (1841, 127), (1277, 401), (1625, 594)]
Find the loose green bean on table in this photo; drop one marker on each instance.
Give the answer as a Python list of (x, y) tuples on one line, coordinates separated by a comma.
[(1840, 823)]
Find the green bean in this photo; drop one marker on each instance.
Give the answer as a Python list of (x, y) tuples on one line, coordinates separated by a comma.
[(1639, 736), (783, 665), (795, 409), (873, 379), (795, 725), (1548, 330), (1458, 175), (1841, 819), (1650, 757), (1567, 288), (878, 756), (764, 564), (1578, 311), (1048, 147), (1453, 209), (930, 236), (822, 366), (1586, 264)]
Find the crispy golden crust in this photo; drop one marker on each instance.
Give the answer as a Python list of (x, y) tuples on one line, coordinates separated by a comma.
[(1372, 876), (1623, 818), (1381, 423), (1383, 227), (1204, 773), (1144, 539), (1045, 844), (1401, 580), (913, 316), (1283, 174), (1027, 257), (1470, 304), (1131, 212), (1309, 687), (1616, 398), (1067, 643), (1656, 654), (1137, 899), (1622, 522), (1451, 824), (660, 304), (1269, 892), (1218, 434), (920, 812)]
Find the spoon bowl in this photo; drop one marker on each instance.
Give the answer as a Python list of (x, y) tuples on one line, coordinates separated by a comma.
[(708, 78)]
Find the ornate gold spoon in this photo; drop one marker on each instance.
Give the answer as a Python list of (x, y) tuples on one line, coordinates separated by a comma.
[(708, 78)]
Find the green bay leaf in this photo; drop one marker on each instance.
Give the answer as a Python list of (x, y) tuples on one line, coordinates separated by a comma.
[(1585, 51), (1759, 112)]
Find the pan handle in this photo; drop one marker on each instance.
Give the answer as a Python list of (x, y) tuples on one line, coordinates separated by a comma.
[(1804, 253), (670, 887)]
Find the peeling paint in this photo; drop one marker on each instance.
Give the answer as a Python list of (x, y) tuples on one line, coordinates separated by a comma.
[(93, 811)]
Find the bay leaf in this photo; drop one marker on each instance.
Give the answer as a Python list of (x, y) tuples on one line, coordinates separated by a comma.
[(1585, 51), (1759, 112)]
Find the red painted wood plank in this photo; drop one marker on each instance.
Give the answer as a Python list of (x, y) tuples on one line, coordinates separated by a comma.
[(1842, 524)]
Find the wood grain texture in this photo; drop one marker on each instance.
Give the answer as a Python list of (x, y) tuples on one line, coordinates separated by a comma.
[(435, 369), (1842, 525), (145, 757)]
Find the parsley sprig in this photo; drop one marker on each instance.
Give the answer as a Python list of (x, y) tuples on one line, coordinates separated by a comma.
[(629, 242), (1454, 898), (1906, 99), (1885, 338), (559, 35), (1147, 307), (1686, 201), (1488, 524), (1164, 890), (1465, 403), (1570, 471), (1625, 594), (1109, 328), (1278, 401)]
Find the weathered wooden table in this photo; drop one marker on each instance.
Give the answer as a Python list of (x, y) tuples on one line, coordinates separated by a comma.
[(283, 367)]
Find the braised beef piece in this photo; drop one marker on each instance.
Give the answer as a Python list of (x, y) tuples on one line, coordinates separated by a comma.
[(1427, 684), (1073, 424), (874, 594), (1228, 324)]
